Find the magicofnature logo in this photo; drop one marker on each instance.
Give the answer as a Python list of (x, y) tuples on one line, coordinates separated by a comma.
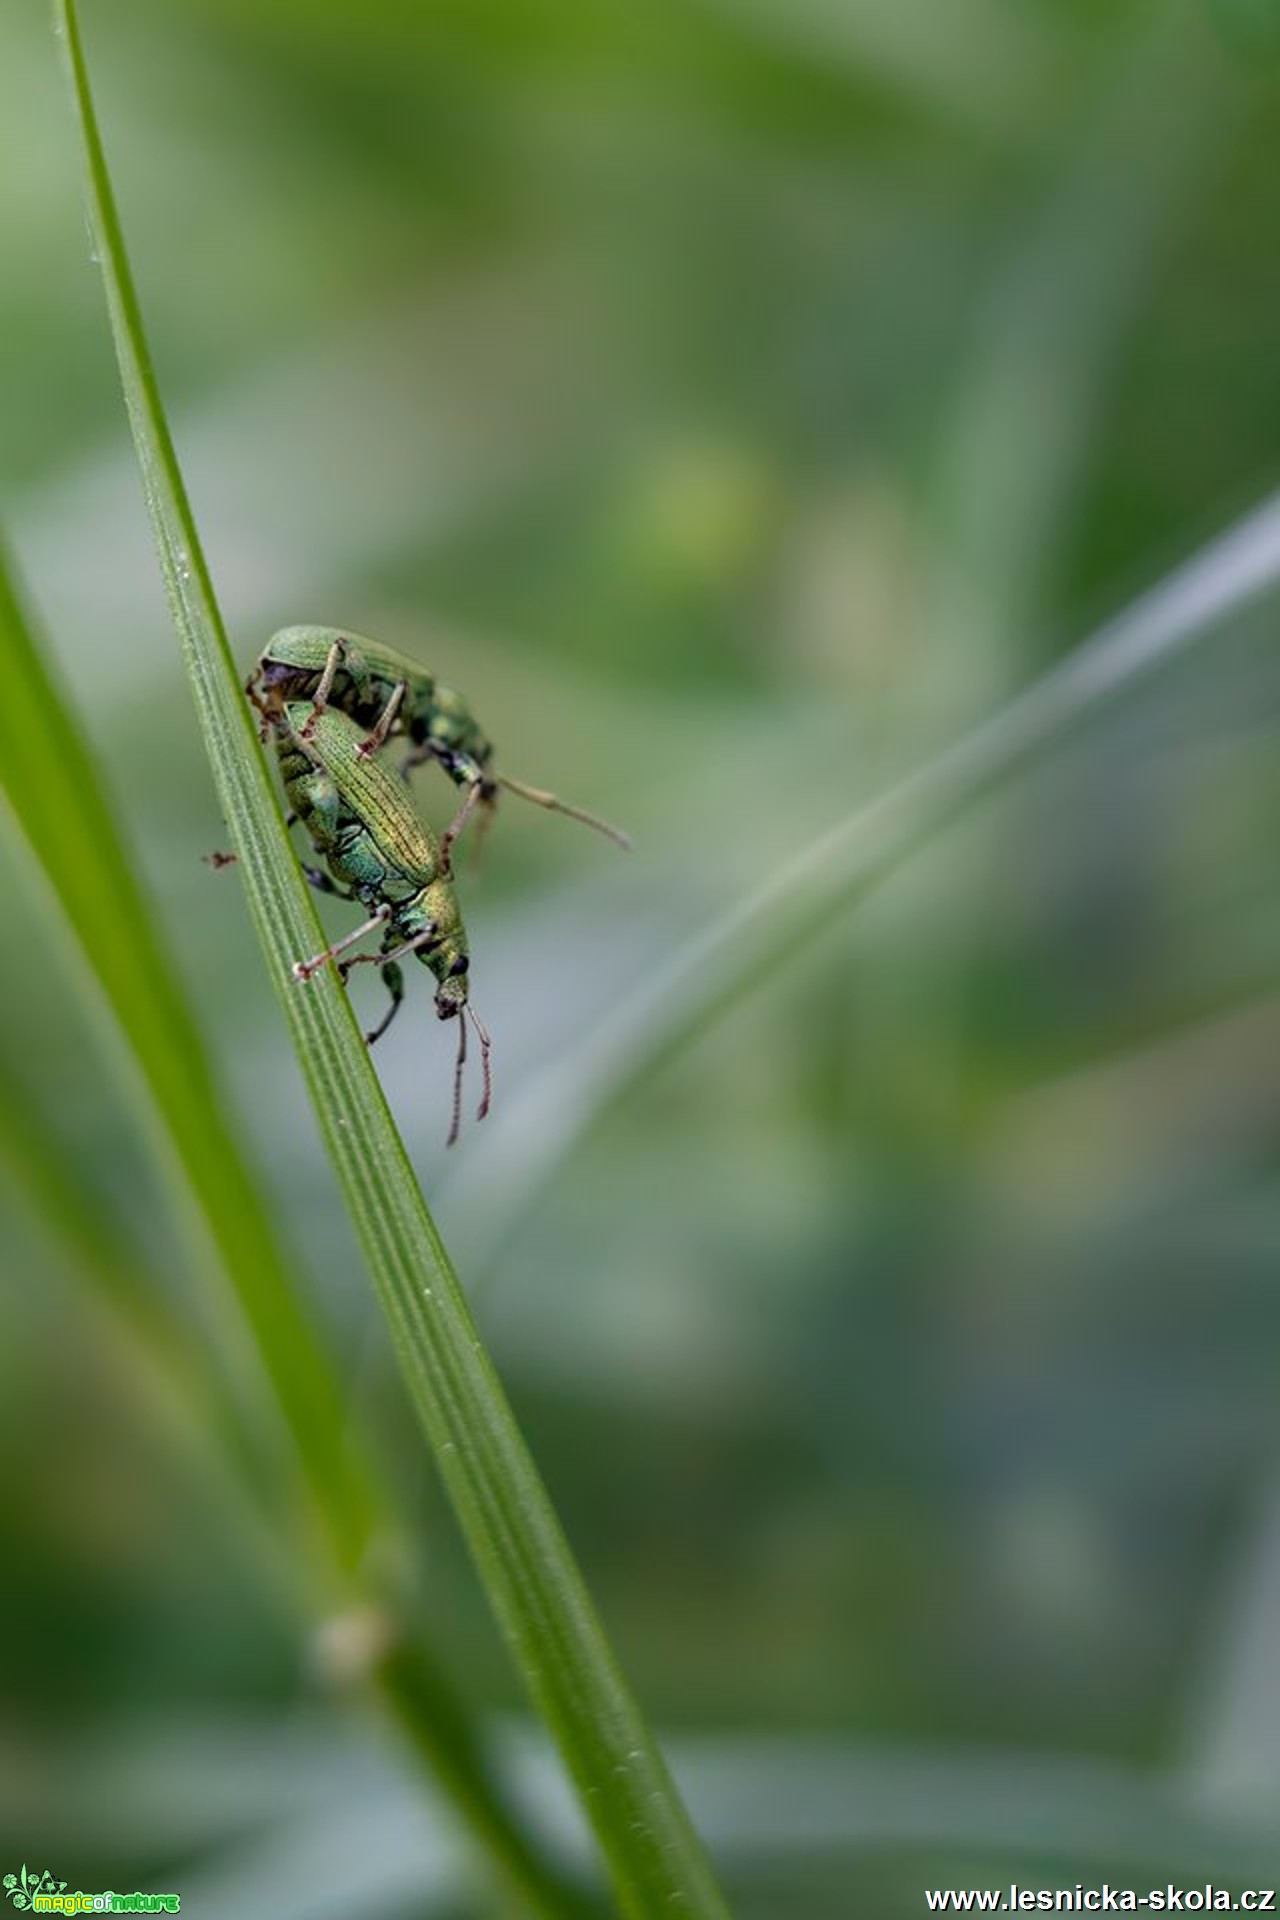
[(43, 1894)]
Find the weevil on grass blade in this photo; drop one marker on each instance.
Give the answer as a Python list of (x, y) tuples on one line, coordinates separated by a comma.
[(388, 694), (378, 852)]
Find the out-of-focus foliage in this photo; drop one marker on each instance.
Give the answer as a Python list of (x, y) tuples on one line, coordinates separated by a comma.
[(737, 399)]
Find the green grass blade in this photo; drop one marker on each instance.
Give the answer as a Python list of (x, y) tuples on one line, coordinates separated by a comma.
[(65, 814), (655, 1859), (48, 775), (117, 1284), (711, 972), (127, 1296)]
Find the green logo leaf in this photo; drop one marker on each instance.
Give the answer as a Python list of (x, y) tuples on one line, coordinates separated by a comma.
[(23, 1888)]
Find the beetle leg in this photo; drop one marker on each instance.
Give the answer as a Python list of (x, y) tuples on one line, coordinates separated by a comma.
[(416, 757), (475, 795), (421, 943), (320, 698), (303, 969), (395, 987), (382, 727), (323, 883), (552, 802)]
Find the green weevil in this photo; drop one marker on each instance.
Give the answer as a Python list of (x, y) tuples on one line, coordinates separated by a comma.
[(378, 852), (389, 694)]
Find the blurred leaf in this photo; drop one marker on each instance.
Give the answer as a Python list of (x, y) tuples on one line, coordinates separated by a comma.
[(705, 978), (773, 1805), (70, 824)]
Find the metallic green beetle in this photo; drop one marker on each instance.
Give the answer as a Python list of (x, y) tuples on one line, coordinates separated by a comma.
[(387, 693), (360, 819)]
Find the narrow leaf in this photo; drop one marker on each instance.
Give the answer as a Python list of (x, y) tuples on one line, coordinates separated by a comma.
[(532, 1582)]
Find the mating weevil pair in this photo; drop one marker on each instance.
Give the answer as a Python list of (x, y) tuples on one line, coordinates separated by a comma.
[(333, 700), (379, 853)]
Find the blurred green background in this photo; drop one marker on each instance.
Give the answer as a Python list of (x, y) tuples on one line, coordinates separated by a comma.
[(738, 399)]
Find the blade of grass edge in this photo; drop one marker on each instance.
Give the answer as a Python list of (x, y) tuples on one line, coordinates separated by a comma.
[(655, 1859), (49, 778)]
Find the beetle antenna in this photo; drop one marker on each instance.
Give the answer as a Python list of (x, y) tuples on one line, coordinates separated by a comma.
[(482, 1035), (459, 1064)]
